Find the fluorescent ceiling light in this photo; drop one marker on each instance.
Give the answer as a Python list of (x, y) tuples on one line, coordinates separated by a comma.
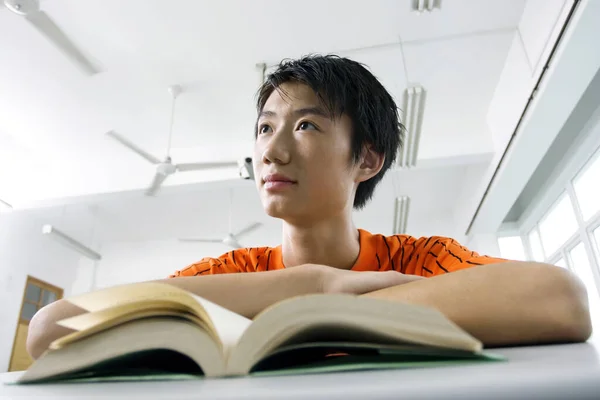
[(401, 208), (262, 69), (413, 107), (265, 70), (70, 242), (420, 6)]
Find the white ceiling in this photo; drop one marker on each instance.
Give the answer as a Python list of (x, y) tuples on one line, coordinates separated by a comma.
[(53, 118)]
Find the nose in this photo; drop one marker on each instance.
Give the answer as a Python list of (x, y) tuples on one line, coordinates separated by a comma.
[(278, 148)]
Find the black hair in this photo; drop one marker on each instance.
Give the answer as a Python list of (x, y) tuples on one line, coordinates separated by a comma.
[(346, 87)]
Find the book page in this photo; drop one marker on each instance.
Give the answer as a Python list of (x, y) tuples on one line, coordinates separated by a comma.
[(128, 312), (90, 323), (135, 293), (338, 317), (229, 326), (97, 321)]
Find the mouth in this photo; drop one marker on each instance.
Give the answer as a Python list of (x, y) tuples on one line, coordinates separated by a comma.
[(277, 182)]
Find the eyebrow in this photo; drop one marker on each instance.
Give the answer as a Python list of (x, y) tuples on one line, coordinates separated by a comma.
[(318, 111)]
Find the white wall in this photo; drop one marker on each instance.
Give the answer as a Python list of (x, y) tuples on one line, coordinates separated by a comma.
[(125, 262), (131, 261), (85, 276), (532, 42), (25, 251)]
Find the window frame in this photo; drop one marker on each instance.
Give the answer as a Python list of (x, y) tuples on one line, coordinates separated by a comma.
[(532, 217), (554, 205), (592, 226)]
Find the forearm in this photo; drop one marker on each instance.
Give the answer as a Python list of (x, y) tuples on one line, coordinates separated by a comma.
[(246, 294), (249, 293), (505, 304)]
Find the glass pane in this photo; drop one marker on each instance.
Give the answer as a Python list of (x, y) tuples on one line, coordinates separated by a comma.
[(28, 311), (511, 247), (561, 263), (597, 237), (586, 188), (33, 292), (48, 297), (558, 225), (537, 251), (583, 269)]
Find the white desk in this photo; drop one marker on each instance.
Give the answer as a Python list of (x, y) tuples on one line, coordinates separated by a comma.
[(546, 372)]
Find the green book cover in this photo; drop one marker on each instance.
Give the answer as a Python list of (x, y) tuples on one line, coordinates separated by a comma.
[(312, 358)]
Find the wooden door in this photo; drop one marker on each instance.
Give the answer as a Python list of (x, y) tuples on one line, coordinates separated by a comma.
[(36, 295)]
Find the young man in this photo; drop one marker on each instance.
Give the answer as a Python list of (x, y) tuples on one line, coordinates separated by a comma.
[(326, 133)]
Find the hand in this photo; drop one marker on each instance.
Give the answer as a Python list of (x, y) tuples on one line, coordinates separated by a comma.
[(356, 282)]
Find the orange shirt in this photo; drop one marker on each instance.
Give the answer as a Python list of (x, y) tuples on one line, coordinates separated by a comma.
[(426, 256)]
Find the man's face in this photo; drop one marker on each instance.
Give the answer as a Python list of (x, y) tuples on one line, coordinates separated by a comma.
[(302, 157)]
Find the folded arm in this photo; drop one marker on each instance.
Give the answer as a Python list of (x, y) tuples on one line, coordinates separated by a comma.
[(501, 304), (507, 303), (244, 293)]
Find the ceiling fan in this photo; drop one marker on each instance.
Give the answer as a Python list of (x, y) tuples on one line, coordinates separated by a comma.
[(231, 239), (5, 205), (166, 167), (31, 12)]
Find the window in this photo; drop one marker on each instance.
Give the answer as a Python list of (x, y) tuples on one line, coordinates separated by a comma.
[(586, 188), (567, 233), (583, 269), (560, 215), (535, 242), (561, 263), (511, 248), (37, 295)]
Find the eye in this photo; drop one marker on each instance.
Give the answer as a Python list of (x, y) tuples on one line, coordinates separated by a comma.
[(264, 128), (305, 125)]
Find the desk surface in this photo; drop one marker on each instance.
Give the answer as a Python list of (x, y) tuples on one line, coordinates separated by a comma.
[(545, 372)]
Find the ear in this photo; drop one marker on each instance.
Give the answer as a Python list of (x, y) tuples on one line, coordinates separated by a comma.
[(370, 163)]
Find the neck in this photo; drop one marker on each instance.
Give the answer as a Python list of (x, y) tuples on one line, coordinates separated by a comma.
[(334, 243)]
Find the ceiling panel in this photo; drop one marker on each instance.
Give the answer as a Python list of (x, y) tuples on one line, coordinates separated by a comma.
[(459, 76), (205, 32), (386, 63), (459, 18)]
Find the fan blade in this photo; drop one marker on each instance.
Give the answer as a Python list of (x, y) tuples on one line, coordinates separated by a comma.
[(200, 240), (5, 205), (52, 32), (232, 242), (133, 147), (206, 165), (248, 229), (235, 245), (156, 183)]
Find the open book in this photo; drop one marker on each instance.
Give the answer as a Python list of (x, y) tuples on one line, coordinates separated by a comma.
[(157, 331)]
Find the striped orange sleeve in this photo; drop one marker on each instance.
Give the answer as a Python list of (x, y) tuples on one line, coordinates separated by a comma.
[(231, 262), (259, 259), (436, 255)]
